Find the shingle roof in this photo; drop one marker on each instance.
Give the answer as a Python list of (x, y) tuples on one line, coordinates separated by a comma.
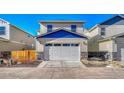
[(62, 29), (106, 21)]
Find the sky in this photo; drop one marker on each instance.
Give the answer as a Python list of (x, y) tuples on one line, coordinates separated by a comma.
[(29, 22)]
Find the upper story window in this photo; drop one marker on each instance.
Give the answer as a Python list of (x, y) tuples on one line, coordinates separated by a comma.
[(49, 28), (2, 30), (73, 28), (103, 31)]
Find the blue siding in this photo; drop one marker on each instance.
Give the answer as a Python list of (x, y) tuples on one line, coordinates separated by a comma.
[(116, 20), (62, 34)]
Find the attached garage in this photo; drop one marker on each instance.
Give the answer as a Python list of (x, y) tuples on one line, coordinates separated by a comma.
[(68, 52), (63, 45), (114, 46)]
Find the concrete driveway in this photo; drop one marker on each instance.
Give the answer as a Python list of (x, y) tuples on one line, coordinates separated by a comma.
[(61, 64), (61, 73), (49, 71)]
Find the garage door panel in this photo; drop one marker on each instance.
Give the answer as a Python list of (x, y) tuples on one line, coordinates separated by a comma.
[(62, 53)]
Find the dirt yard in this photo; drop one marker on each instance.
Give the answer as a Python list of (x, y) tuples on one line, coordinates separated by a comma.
[(28, 64)]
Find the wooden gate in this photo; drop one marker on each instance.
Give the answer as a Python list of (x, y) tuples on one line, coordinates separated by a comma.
[(24, 56)]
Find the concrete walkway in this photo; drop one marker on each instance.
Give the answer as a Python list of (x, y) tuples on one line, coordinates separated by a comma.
[(61, 64)]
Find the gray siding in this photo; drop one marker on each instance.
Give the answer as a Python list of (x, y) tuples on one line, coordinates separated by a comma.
[(19, 36), (120, 44), (113, 28)]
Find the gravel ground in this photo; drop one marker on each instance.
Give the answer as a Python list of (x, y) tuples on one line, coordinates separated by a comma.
[(30, 64)]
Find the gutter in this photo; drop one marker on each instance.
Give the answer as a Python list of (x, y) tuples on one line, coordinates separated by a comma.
[(107, 39)]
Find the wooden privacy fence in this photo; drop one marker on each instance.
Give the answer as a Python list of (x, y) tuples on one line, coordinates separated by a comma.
[(24, 56)]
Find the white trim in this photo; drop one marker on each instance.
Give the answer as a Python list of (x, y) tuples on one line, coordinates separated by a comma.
[(4, 21), (93, 27)]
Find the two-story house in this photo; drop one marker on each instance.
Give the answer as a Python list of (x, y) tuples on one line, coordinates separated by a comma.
[(107, 39), (62, 40), (13, 38)]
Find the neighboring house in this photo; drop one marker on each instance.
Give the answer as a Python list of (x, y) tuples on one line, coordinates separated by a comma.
[(13, 38), (107, 39), (62, 40)]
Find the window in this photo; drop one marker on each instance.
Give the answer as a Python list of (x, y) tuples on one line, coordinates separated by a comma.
[(2, 30), (74, 44), (49, 28), (66, 44), (48, 44), (57, 44), (102, 31), (73, 28)]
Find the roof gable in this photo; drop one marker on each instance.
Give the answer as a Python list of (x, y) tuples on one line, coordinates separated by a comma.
[(62, 34), (118, 20)]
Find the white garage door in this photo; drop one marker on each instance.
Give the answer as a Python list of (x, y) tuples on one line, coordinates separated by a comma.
[(122, 54), (70, 52)]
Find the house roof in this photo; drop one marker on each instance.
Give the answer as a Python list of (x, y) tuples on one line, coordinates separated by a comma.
[(62, 29), (112, 37), (4, 21), (21, 30), (118, 35), (105, 39), (93, 27), (102, 23), (120, 16), (15, 27)]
